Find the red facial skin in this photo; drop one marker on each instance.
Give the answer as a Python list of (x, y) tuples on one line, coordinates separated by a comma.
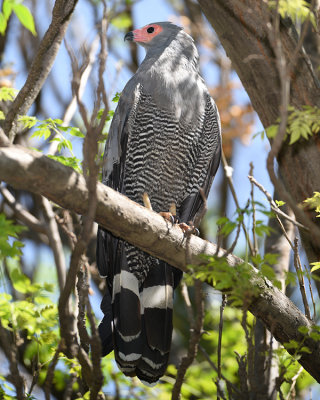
[(143, 36)]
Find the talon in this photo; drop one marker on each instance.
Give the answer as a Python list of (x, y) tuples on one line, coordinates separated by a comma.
[(189, 229), (167, 216), (185, 227)]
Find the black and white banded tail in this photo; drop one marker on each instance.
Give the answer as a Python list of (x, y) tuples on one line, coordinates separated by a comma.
[(138, 322)]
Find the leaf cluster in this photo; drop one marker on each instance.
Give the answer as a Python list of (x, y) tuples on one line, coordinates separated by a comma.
[(294, 9), (9, 245), (314, 202), (55, 129), (21, 11), (302, 124)]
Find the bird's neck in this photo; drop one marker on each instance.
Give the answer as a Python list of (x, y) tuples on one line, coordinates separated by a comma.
[(180, 53)]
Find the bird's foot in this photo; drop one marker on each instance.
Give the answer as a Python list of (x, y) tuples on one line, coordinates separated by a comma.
[(189, 229), (168, 216)]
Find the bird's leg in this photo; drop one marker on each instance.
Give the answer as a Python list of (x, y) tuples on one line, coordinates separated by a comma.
[(146, 201), (171, 216)]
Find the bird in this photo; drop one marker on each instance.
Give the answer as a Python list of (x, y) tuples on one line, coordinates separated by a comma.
[(164, 142)]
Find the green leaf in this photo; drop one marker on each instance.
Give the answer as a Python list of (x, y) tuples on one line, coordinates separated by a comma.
[(295, 136), (25, 17), (305, 349), (122, 21), (3, 24), (76, 132), (222, 220), (9, 230), (45, 132), (116, 97), (268, 272), (295, 9), (20, 282), (314, 202), (316, 266), (303, 329), (28, 121), (280, 203), (7, 8), (6, 93), (72, 162), (272, 131)]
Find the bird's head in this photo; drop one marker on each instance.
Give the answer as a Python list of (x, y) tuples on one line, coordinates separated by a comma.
[(157, 34)]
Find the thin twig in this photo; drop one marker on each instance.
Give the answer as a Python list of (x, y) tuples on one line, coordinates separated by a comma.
[(299, 271), (55, 241), (63, 224), (193, 341), (234, 243), (83, 79), (9, 346), (255, 242), (307, 272), (22, 213), (227, 170), (215, 368), (82, 288), (50, 373), (222, 307), (274, 206), (293, 383), (187, 302)]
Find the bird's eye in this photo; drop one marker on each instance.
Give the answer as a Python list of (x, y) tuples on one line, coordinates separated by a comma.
[(150, 29)]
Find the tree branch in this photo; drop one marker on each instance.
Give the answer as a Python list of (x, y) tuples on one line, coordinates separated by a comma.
[(30, 170), (41, 65)]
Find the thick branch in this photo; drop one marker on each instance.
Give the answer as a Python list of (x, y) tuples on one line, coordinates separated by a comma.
[(42, 64), (30, 170)]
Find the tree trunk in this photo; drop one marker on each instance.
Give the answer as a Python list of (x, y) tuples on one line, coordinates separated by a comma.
[(242, 29)]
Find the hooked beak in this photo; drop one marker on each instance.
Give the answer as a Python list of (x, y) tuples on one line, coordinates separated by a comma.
[(129, 36)]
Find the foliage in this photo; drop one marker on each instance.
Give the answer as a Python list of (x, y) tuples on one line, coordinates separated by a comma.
[(9, 231), (54, 130), (21, 11), (302, 124), (295, 9), (122, 21), (314, 202), (7, 94)]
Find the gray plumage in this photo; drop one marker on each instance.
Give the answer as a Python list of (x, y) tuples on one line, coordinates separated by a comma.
[(164, 140)]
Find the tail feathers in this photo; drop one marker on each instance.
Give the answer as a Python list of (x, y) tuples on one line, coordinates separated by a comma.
[(105, 329), (138, 358), (143, 323)]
